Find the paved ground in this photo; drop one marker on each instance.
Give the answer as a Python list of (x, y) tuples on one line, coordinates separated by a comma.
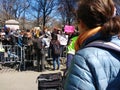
[(26, 80)]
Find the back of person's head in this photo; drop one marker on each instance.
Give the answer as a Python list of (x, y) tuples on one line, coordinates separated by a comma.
[(27, 30), (97, 16), (95, 13), (111, 28), (54, 36)]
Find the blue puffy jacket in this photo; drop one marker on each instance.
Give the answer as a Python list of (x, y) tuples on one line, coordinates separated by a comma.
[(94, 68)]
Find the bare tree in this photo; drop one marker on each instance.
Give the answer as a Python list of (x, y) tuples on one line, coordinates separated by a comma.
[(67, 10), (36, 8), (43, 8), (13, 8)]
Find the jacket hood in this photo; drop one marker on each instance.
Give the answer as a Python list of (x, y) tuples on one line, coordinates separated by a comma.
[(112, 43), (105, 45)]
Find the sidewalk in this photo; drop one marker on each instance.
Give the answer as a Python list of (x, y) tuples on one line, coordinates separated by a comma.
[(25, 80)]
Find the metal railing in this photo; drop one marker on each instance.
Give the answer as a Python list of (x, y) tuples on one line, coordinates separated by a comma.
[(19, 56), (12, 55)]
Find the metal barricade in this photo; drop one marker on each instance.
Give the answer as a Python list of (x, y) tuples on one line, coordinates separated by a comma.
[(29, 55), (12, 55), (20, 56)]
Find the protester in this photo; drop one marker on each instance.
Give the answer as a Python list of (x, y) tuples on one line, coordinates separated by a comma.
[(96, 67), (71, 49), (63, 39), (39, 47), (55, 46)]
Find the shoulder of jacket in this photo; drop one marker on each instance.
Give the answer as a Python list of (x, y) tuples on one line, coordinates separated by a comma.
[(90, 51)]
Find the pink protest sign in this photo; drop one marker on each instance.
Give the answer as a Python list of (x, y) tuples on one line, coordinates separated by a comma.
[(69, 29)]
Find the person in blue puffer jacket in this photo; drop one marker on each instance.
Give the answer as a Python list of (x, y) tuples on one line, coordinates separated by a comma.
[(96, 68)]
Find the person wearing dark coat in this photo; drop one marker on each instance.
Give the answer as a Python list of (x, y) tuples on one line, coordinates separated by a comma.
[(39, 46)]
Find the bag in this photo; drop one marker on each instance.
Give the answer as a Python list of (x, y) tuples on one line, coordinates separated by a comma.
[(50, 81), (56, 48), (39, 43), (41, 46)]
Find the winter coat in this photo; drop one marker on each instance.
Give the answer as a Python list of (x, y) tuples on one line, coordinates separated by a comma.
[(94, 68), (52, 43)]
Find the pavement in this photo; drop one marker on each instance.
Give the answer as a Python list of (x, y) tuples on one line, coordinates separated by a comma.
[(11, 79)]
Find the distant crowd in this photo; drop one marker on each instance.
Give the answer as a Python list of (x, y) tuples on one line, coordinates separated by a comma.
[(30, 38)]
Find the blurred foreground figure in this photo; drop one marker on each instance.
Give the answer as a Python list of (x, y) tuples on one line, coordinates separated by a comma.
[(96, 64)]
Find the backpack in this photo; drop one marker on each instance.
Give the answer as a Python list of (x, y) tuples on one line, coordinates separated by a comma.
[(39, 43), (56, 48), (52, 81)]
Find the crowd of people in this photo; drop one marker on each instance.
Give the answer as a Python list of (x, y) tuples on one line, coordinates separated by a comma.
[(39, 40), (93, 60)]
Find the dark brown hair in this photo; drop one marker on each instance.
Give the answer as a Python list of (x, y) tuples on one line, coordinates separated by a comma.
[(112, 27), (98, 16), (95, 13)]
